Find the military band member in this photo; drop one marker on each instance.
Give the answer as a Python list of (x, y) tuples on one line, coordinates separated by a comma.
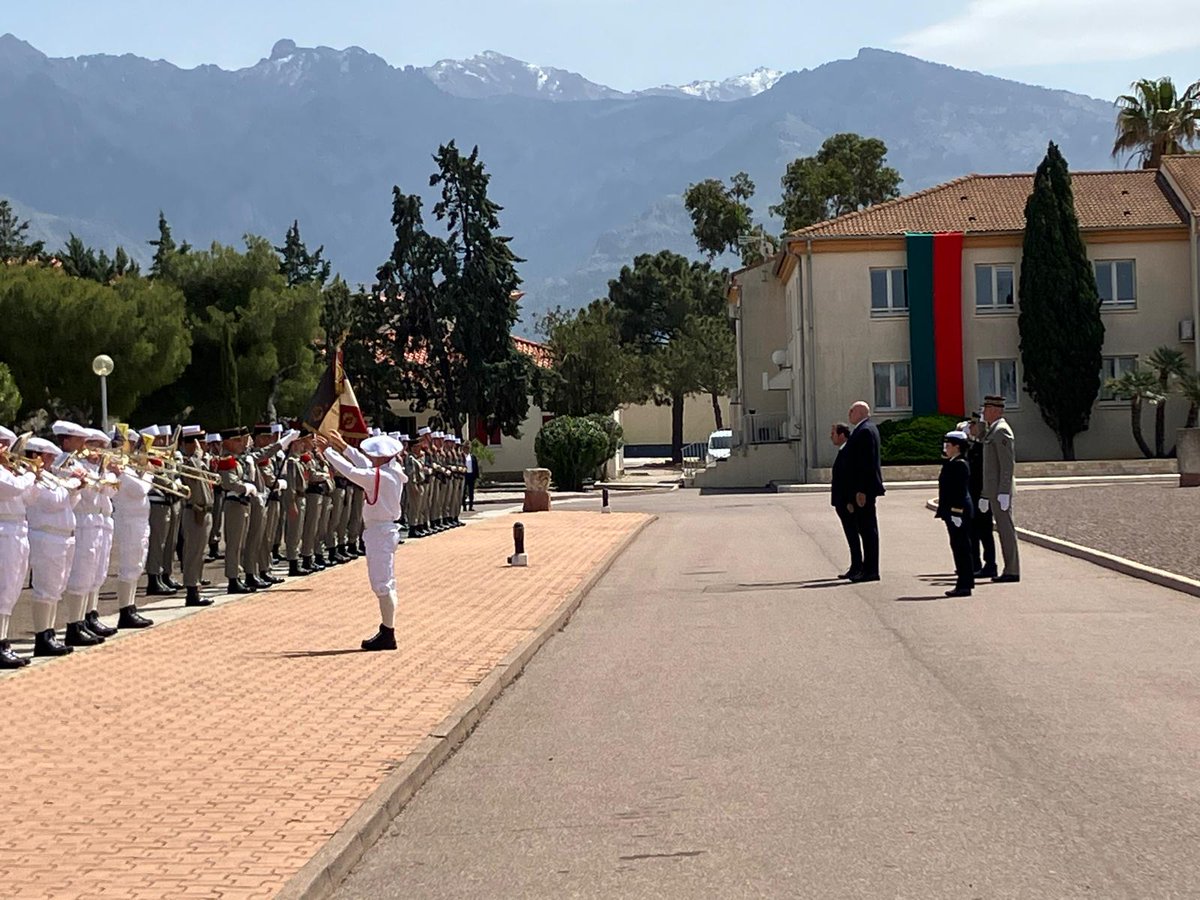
[(383, 484), (174, 507), (213, 450), (160, 527), (337, 503), (131, 538), (296, 461), (50, 512), (239, 491), (418, 475), (15, 487), (999, 465), (317, 485), (92, 531), (197, 516)]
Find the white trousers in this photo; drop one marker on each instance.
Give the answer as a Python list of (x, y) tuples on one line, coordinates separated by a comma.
[(50, 557), (132, 537), (93, 543), (381, 540), (14, 563)]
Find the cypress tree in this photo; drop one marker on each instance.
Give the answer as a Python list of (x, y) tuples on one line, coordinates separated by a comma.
[(1062, 335)]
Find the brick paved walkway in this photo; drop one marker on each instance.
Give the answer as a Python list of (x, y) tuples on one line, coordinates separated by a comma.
[(214, 755)]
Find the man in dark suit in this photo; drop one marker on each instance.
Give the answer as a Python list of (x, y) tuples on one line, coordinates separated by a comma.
[(866, 482), (841, 497)]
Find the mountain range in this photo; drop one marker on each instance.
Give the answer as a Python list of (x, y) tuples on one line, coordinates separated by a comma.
[(589, 176)]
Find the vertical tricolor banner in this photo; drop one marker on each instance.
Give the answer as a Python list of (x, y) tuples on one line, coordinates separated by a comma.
[(935, 328)]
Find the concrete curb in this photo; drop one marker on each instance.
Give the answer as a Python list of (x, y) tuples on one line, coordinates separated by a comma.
[(1120, 564), (325, 871)]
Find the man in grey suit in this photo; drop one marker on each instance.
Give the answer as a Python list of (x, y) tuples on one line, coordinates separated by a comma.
[(999, 461)]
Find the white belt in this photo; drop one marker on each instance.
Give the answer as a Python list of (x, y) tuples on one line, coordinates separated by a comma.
[(57, 532), (18, 520)]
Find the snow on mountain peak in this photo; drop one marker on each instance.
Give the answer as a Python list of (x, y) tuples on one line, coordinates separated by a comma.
[(737, 88)]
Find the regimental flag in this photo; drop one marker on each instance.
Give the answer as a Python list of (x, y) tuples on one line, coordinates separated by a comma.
[(333, 405), (935, 323)]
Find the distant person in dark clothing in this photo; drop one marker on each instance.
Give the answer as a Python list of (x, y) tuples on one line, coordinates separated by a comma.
[(865, 475), (841, 497), (956, 510), (983, 542), (471, 464)]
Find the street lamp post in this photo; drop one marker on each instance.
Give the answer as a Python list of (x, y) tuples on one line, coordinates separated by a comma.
[(102, 365)]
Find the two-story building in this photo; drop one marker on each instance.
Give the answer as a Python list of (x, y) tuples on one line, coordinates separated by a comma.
[(912, 306)]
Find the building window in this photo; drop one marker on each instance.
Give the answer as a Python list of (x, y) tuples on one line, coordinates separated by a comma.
[(995, 289), (889, 292), (892, 386), (1116, 280), (999, 377), (1114, 367)]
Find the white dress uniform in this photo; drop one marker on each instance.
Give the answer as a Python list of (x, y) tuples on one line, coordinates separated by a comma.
[(50, 511), (93, 543), (14, 539), (383, 487), (131, 525)]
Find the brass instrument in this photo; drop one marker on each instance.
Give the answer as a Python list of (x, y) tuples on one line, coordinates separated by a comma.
[(21, 465)]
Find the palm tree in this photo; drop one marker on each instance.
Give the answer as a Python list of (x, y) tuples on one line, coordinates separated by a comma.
[(1137, 386), (1167, 365), (1155, 120)]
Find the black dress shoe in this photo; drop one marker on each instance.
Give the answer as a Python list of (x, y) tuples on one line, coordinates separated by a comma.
[(959, 592), (171, 583), (255, 583), (212, 551), (204, 582), (863, 576), (156, 587), (384, 639), (194, 598), (850, 574), (95, 626), (1006, 579), (319, 562), (295, 570), (237, 587), (986, 572), (275, 557), (79, 636), (10, 660), (46, 644), (131, 618)]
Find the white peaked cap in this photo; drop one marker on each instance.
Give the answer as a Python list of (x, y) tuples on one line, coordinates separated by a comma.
[(41, 445), (68, 429), (212, 439), (381, 446), (277, 428), (151, 430), (394, 435), (189, 430), (6, 435), (404, 438), (95, 434), (438, 435), (956, 436), (422, 431)]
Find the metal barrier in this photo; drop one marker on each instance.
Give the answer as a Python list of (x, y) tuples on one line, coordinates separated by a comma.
[(765, 428), (695, 458)]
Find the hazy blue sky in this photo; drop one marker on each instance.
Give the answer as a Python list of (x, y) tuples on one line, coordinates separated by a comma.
[(1091, 46)]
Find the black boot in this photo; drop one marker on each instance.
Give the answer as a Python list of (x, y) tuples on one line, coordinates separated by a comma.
[(79, 636), (46, 644), (298, 568), (10, 660), (156, 587), (269, 578), (319, 562), (131, 618), (275, 555), (235, 587), (171, 584), (95, 626), (212, 551), (307, 565), (252, 582), (195, 599), (384, 639), (413, 534)]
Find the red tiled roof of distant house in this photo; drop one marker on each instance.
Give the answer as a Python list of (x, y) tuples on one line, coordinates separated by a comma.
[(1185, 172)]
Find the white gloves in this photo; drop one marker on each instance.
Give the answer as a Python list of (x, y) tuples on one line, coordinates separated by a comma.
[(1004, 500), (287, 439), (957, 520), (984, 506), (249, 490), (280, 485)]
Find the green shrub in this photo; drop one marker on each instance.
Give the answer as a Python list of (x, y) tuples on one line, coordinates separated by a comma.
[(916, 441), (10, 397), (616, 434), (572, 449)]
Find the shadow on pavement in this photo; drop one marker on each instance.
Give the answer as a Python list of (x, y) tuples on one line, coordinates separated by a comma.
[(923, 599), (308, 654)]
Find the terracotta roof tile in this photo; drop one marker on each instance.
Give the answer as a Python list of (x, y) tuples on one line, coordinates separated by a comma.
[(1185, 172), (996, 203)]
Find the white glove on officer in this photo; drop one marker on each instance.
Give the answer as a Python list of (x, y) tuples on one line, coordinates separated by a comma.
[(1004, 500), (957, 520), (280, 485), (288, 437), (984, 506), (249, 490)]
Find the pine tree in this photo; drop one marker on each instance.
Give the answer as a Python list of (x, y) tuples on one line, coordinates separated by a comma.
[(1062, 334), (297, 264), (14, 244), (165, 248)]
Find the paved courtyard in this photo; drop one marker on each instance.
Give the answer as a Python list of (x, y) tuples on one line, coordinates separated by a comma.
[(213, 755), (721, 719)]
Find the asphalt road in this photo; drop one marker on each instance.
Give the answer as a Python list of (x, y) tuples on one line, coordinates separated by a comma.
[(718, 720)]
